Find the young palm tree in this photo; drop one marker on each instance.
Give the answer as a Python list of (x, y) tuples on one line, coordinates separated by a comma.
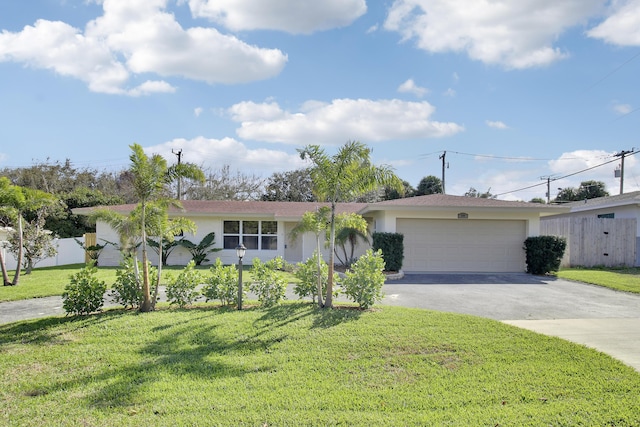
[(342, 178), (316, 223)]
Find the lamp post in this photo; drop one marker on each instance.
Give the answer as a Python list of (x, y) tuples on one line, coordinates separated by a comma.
[(240, 251)]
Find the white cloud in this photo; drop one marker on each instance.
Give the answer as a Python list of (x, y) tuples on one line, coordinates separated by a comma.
[(622, 27), (197, 111), (340, 121), (410, 86), (516, 34), (450, 92), (372, 29), (622, 108), (136, 37), (292, 16), (215, 153), (496, 124)]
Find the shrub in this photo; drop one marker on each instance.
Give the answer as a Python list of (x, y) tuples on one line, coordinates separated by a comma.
[(200, 251), (307, 273), (85, 293), (363, 284), (268, 284), (222, 284), (127, 289), (182, 290), (544, 253), (392, 246)]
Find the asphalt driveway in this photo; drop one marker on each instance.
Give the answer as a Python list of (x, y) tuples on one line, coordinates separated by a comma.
[(591, 315)]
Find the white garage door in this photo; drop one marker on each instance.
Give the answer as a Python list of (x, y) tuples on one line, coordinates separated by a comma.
[(462, 245)]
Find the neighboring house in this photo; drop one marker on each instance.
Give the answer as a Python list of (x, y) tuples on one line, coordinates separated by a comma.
[(625, 206), (441, 233)]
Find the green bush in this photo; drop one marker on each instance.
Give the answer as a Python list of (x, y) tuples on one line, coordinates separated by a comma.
[(222, 284), (392, 246), (182, 290), (127, 289), (269, 285), (85, 293), (307, 273), (544, 253), (363, 283)]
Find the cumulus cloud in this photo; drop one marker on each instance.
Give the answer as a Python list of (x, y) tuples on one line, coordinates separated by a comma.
[(496, 124), (292, 16), (215, 153), (410, 86), (136, 37), (515, 35), (341, 120), (622, 26), (197, 111)]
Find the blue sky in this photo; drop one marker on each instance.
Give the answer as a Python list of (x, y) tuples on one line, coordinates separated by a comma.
[(513, 91)]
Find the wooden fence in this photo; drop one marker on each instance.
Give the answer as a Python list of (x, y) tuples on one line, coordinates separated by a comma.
[(609, 242)]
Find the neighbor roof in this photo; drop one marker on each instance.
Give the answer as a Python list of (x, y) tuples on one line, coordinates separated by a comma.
[(625, 199)]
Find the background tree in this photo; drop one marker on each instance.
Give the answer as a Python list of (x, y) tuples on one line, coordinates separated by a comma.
[(538, 200), (475, 193), (341, 178), (221, 184), (429, 185), (391, 193), (291, 186), (37, 242), (14, 202), (587, 190)]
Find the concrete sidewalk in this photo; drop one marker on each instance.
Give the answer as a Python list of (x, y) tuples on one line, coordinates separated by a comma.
[(619, 337)]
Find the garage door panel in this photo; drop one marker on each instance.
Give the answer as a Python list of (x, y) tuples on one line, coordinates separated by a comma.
[(463, 245)]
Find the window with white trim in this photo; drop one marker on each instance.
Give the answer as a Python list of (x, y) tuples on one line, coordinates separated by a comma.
[(256, 235)]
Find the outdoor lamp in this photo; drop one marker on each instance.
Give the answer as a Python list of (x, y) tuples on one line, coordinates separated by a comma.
[(240, 251)]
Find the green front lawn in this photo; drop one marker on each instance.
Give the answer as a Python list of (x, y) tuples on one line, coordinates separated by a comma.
[(620, 279), (298, 365)]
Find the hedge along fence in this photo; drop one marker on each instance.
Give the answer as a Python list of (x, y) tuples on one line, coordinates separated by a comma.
[(609, 242), (392, 246)]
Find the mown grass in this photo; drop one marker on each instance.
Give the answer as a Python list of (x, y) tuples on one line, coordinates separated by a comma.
[(51, 281), (620, 279), (298, 365)]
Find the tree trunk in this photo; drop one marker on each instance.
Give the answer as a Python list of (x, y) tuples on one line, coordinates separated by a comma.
[(5, 275), (318, 257), (146, 291), (160, 264), (16, 277), (328, 303)]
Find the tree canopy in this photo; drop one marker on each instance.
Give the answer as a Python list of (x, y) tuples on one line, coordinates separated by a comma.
[(587, 190)]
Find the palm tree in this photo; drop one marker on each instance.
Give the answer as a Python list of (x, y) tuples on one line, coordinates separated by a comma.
[(342, 178), (150, 175), (350, 227), (315, 222)]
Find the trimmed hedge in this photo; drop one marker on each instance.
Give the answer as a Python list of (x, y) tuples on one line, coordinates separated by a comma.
[(392, 246), (544, 253)]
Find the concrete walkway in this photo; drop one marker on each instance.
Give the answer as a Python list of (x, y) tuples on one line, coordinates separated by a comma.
[(597, 317)]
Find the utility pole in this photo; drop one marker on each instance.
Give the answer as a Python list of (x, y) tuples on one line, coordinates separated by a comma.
[(443, 156), (179, 155), (621, 155), (548, 179)]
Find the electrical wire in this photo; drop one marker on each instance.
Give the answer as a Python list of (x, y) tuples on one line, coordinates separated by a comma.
[(565, 176)]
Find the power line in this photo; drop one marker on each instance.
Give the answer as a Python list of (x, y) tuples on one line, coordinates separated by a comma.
[(563, 177), (615, 70)]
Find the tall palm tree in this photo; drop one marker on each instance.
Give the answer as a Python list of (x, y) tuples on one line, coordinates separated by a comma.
[(342, 178)]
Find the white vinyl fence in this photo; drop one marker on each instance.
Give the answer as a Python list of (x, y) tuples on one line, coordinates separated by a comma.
[(69, 252)]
